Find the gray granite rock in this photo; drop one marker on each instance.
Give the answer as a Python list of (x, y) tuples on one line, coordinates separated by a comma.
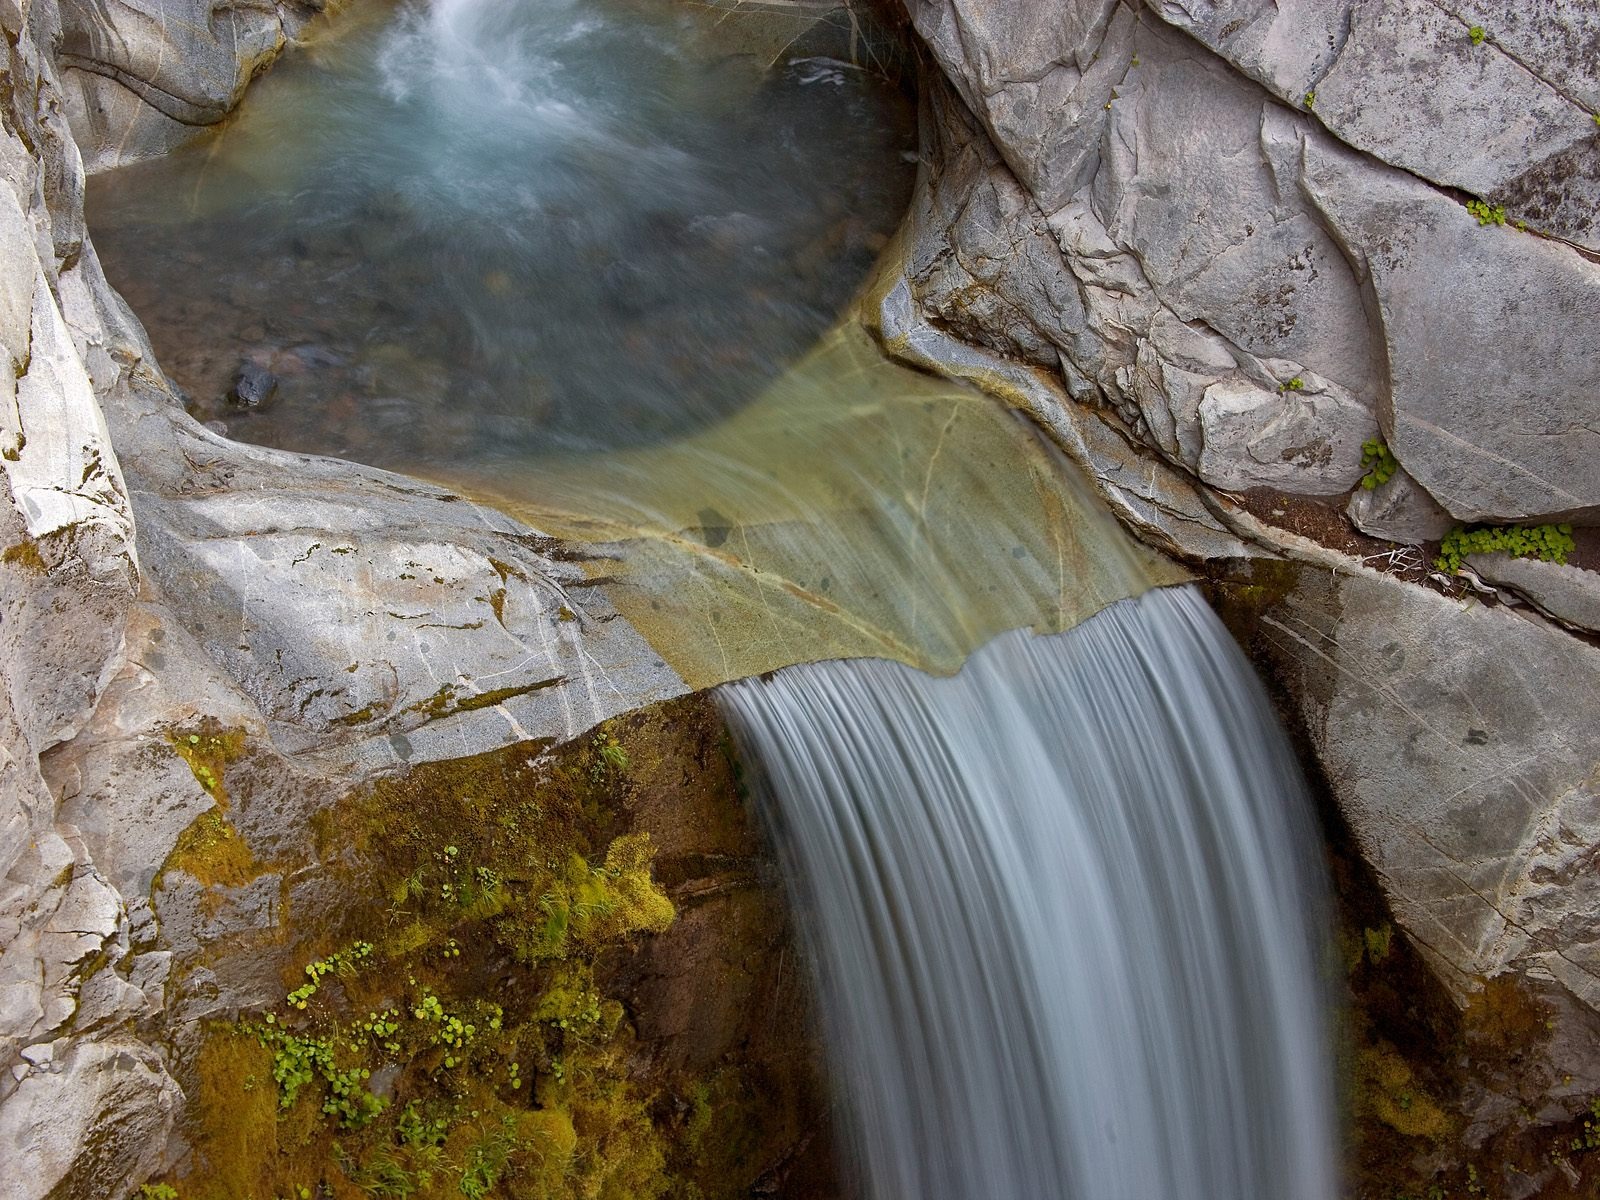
[(1174, 334), (89, 1118), (1399, 511), (1493, 341), (1569, 594), (140, 76), (1459, 742), (1505, 112), (1213, 232)]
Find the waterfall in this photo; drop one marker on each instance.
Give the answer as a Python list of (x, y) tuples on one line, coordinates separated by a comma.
[(1065, 913)]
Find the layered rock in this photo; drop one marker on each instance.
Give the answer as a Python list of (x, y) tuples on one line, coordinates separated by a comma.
[(139, 77), (1253, 296), (70, 974)]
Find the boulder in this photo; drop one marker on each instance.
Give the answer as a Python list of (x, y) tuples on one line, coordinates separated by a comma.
[(1213, 231), (1458, 740), (141, 76), (1569, 594), (87, 1118), (1496, 100)]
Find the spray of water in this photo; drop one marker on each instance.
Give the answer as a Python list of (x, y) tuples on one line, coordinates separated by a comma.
[(1065, 913)]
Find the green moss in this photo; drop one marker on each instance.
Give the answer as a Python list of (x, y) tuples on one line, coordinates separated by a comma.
[(473, 870), (452, 1032), (360, 717), (1377, 942), (236, 1108), (208, 749), (1390, 1092), (212, 851), (450, 700)]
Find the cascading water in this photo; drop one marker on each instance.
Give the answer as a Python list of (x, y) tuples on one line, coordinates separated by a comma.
[(1065, 914)]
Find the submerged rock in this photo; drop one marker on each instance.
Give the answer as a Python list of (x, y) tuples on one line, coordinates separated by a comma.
[(253, 386)]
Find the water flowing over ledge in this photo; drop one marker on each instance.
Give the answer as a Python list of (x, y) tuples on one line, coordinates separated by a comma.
[(1065, 911)]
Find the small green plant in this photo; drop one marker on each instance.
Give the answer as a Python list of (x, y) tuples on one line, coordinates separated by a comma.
[(1378, 462), (610, 758), (158, 1191), (1311, 99), (486, 1163), (1377, 942), (298, 1061), (1487, 214), (1477, 33), (1589, 1139), (1549, 543), (344, 961), (1294, 385)]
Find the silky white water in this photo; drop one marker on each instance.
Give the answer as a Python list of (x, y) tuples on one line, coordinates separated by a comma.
[(1065, 912)]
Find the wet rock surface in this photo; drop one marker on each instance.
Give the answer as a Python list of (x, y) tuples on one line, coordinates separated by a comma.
[(253, 386), (139, 78)]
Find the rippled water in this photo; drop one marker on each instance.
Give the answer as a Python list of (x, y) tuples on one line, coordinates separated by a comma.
[(466, 232), (1065, 912)]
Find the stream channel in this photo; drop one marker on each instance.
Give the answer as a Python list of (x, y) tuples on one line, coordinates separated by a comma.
[(594, 261)]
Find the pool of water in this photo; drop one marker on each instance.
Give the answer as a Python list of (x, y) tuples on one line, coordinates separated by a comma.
[(468, 232), (592, 261)]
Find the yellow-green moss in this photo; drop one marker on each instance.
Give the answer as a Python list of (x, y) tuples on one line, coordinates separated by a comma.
[(1377, 942), (493, 891), (212, 851), (467, 867), (1391, 1093), (237, 1116), (25, 554), (208, 749)]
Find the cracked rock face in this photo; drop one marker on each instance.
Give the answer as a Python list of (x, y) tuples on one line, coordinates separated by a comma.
[(1255, 286), (1460, 743)]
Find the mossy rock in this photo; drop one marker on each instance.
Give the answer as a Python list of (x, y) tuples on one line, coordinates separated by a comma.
[(447, 1027)]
